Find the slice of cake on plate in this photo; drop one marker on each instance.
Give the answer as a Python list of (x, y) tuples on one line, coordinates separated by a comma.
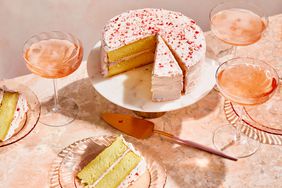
[(13, 113), (167, 77), (119, 165)]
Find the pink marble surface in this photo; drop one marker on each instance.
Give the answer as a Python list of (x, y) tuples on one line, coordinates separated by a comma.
[(27, 163)]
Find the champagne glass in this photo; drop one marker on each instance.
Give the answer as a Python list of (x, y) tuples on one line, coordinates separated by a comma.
[(238, 23), (244, 81), (54, 55)]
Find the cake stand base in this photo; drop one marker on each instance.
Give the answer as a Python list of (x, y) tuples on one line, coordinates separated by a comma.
[(149, 115)]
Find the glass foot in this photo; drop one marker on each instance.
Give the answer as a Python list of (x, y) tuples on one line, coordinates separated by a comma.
[(224, 139), (56, 116)]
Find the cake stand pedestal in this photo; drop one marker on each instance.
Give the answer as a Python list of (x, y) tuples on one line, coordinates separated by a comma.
[(149, 115)]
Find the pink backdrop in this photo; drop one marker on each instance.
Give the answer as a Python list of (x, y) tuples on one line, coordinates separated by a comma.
[(84, 18)]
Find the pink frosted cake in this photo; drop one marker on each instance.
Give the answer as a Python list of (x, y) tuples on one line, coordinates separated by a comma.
[(129, 40)]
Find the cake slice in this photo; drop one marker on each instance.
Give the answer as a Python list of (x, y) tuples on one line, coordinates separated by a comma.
[(13, 112), (119, 165), (167, 77)]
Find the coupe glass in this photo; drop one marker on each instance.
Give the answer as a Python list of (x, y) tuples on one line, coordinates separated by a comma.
[(54, 55), (244, 81), (238, 23)]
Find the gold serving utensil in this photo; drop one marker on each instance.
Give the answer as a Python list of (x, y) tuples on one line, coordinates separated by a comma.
[(142, 129)]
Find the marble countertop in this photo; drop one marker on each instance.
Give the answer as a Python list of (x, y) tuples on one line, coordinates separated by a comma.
[(27, 163)]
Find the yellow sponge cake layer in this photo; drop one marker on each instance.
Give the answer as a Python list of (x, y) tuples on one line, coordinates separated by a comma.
[(132, 49), (137, 61), (7, 110), (102, 162), (120, 171)]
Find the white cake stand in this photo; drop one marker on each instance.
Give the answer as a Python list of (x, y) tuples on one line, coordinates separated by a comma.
[(132, 89)]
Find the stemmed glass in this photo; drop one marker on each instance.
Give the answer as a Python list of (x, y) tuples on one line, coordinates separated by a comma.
[(238, 23), (54, 55), (244, 81)]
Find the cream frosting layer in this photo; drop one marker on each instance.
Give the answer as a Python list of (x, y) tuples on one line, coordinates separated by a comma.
[(21, 110), (129, 57)]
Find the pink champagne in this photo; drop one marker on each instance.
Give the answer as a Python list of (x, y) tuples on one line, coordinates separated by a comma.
[(246, 84), (237, 27), (53, 58)]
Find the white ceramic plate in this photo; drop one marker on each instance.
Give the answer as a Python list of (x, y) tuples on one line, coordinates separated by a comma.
[(131, 89)]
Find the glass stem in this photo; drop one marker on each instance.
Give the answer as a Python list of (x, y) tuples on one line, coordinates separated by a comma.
[(239, 124), (56, 99), (234, 51)]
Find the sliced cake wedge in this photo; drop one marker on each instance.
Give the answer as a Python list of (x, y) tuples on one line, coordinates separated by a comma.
[(167, 77)]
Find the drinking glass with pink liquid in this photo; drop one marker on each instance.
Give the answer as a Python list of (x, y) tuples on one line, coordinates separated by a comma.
[(238, 23), (244, 81), (54, 55)]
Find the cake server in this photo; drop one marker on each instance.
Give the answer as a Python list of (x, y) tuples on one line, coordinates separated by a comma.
[(141, 129)]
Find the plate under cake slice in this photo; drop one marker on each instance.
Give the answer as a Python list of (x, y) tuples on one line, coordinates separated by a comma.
[(119, 165), (167, 77), (13, 113)]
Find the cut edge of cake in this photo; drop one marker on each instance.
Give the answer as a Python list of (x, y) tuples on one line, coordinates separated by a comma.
[(139, 60), (86, 174), (135, 51)]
